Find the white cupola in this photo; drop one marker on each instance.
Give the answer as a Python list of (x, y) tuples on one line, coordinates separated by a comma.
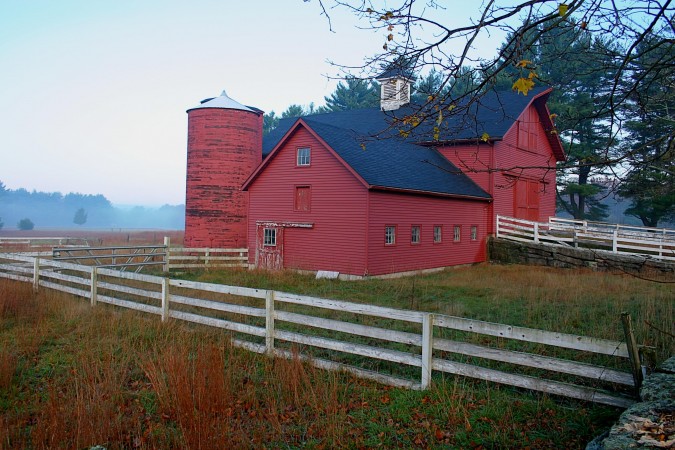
[(394, 89)]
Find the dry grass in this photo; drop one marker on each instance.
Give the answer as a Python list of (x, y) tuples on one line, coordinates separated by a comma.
[(103, 376)]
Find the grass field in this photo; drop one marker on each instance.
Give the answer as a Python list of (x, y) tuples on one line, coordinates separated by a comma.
[(73, 377)]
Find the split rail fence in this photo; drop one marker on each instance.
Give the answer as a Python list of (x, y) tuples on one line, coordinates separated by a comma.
[(397, 347), (656, 243)]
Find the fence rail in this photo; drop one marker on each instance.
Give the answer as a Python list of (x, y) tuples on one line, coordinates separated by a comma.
[(656, 243), (139, 256), (330, 333)]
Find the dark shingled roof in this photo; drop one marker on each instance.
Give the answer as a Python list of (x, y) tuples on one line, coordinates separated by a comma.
[(365, 140)]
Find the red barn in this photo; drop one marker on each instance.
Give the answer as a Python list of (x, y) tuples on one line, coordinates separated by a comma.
[(328, 196)]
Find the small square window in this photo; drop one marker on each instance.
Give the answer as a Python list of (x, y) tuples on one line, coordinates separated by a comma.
[(415, 234), (458, 233), (438, 234), (304, 156), (270, 237), (474, 232), (390, 235)]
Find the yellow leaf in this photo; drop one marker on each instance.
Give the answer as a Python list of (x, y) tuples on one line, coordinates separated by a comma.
[(532, 74), (390, 37), (523, 85), (562, 9), (437, 133), (439, 119), (485, 137), (523, 63), (451, 107), (390, 28), (363, 146), (404, 134)]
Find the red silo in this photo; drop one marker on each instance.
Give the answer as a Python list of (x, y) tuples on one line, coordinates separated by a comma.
[(224, 146)]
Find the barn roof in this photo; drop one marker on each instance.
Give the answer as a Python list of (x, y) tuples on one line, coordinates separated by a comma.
[(365, 140), (493, 113)]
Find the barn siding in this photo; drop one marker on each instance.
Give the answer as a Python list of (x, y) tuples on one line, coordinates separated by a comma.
[(472, 159), (404, 211), (337, 210), (512, 164), (516, 163)]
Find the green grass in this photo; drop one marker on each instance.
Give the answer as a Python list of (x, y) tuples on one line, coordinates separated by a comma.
[(72, 376)]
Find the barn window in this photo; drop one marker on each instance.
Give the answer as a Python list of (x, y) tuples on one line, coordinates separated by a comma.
[(303, 198), (270, 237), (474, 232), (458, 233), (438, 233), (415, 234), (304, 156), (390, 235)]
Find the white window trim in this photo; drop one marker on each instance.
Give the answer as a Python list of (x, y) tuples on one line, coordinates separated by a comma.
[(301, 162), (272, 237)]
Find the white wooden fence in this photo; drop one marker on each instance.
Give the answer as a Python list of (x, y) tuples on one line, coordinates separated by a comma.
[(656, 243), (140, 256), (276, 323)]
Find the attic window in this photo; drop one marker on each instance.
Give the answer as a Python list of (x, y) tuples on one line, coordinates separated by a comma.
[(304, 156)]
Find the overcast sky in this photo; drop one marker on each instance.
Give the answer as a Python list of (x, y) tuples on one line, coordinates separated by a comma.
[(93, 94)]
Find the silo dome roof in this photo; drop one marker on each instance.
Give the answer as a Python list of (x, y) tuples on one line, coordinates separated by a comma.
[(222, 102)]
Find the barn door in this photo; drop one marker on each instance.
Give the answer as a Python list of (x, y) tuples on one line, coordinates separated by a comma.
[(270, 247), (527, 199)]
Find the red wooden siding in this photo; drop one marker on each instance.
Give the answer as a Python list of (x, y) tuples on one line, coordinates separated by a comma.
[(523, 182), (404, 212), (472, 159), (336, 209), (527, 171), (224, 146)]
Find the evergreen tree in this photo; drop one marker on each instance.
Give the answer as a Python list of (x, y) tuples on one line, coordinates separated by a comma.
[(353, 93), (293, 111), (650, 183), (270, 122)]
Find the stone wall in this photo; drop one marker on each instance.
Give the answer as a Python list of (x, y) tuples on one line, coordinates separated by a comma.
[(649, 423), (511, 252)]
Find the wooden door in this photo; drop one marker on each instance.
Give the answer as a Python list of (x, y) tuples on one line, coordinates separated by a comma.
[(526, 201), (270, 247)]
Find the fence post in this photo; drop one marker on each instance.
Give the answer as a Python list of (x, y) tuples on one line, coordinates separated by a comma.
[(633, 354), (206, 257), (36, 274), (497, 234), (615, 241), (269, 322), (536, 232), (165, 299), (94, 286), (167, 245), (427, 348)]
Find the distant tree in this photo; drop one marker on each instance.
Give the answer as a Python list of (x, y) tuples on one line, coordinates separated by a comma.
[(270, 122), (80, 217), (353, 93), (3, 189), (293, 111), (25, 224), (2, 224)]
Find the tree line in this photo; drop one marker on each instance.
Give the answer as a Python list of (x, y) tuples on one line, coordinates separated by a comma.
[(25, 210)]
